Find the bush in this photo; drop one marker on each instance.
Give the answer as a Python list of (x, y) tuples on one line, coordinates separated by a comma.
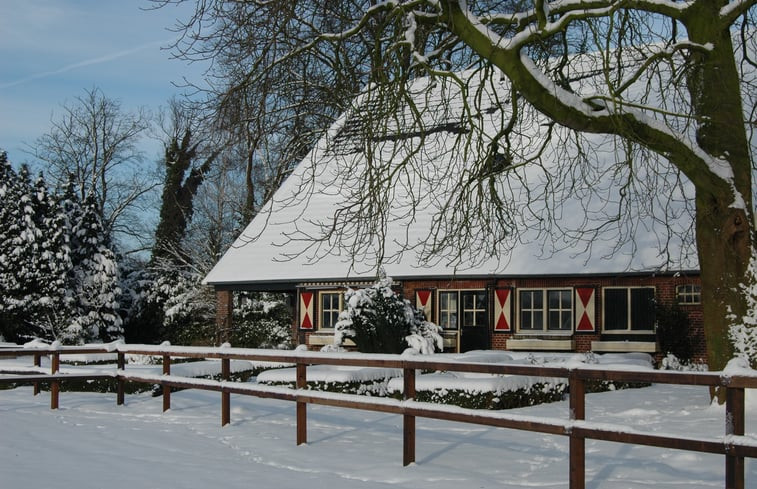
[(261, 320), (380, 321), (673, 333)]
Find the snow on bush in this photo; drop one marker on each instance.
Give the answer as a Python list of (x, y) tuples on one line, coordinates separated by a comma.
[(380, 321)]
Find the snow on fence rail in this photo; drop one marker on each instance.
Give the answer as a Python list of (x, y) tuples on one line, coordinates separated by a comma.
[(734, 445)]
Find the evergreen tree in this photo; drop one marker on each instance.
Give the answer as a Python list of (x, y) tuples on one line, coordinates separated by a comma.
[(58, 277), (94, 276)]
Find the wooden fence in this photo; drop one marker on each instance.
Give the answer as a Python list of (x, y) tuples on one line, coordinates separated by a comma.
[(734, 445)]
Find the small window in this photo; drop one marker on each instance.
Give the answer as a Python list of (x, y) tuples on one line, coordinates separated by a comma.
[(448, 310), (331, 306), (474, 308), (628, 309), (689, 294), (544, 310)]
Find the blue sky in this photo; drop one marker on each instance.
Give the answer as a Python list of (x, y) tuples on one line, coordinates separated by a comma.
[(51, 51)]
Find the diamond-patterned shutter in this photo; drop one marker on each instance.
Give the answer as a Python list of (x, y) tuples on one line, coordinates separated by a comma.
[(586, 309), (423, 302), (306, 309), (503, 309)]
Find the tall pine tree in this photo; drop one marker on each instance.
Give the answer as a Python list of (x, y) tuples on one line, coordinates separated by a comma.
[(58, 277)]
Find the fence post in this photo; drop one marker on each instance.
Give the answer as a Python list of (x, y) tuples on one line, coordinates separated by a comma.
[(37, 363), (734, 425), (577, 462), (408, 422), (302, 416), (225, 394), (121, 365), (55, 384), (166, 388)]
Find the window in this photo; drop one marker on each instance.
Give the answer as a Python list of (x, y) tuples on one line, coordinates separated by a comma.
[(689, 294), (629, 309), (331, 306), (448, 309), (474, 308), (470, 305), (546, 310)]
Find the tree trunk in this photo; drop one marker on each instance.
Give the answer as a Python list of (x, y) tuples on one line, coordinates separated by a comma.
[(724, 246), (724, 224)]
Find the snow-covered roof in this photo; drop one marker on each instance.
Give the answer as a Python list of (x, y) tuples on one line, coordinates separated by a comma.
[(279, 245)]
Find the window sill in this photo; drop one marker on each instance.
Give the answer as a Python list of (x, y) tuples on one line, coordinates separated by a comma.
[(449, 338), (323, 340), (624, 346), (537, 344)]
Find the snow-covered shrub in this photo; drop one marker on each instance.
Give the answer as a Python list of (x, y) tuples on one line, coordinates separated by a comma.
[(377, 320), (168, 303), (671, 362), (261, 320)]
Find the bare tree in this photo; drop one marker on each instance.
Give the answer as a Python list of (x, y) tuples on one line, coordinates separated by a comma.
[(670, 82), (94, 143)]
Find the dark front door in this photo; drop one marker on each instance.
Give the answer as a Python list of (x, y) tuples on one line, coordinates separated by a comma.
[(474, 328)]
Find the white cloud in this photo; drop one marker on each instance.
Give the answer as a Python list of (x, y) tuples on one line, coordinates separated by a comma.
[(84, 63)]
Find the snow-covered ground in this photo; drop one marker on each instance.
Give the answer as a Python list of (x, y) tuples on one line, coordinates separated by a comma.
[(92, 443)]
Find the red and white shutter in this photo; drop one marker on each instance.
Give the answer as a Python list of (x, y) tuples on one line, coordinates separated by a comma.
[(423, 302), (586, 309), (503, 309), (306, 309)]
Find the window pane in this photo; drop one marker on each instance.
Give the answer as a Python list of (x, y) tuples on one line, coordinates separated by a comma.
[(525, 320), (538, 299), (525, 299), (554, 320), (616, 309), (538, 320), (642, 309), (554, 299), (481, 302), (481, 318)]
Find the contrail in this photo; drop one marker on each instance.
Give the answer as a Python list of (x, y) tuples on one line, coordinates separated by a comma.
[(81, 64)]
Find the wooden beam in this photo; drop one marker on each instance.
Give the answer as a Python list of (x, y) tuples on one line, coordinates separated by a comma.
[(55, 384), (408, 420), (302, 414), (166, 388), (225, 394), (120, 383), (577, 462), (734, 425)]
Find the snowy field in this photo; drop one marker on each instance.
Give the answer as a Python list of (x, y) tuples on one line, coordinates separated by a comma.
[(92, 443)]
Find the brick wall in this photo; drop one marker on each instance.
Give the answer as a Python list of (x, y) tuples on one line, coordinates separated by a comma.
[(224, 309), (665, 292)]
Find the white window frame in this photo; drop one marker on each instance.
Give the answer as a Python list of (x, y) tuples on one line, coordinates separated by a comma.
[(545, 310), (688, 294), (460, 310), (445, 314), (322, 310)]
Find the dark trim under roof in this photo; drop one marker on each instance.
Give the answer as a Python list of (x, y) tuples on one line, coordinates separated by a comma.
[(291, 285)]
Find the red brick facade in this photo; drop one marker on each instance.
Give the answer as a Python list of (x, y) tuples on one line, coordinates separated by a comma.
[(596, 337), (224, 309)]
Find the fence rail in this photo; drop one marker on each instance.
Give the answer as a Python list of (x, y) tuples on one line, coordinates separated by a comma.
[(734, 445)]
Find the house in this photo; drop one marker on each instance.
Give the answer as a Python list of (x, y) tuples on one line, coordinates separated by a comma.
[(548, 292)]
